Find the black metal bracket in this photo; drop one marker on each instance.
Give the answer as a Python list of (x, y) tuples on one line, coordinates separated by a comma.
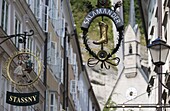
[(23, 36), (117, 5)]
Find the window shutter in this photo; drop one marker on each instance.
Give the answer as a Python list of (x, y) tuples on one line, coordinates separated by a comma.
[(71, 56), (60, 27), (37, 9), (80, 86), (63, 27), (53, 102), (44, 17), (74, 96), (49, 48), (29, 2), (73, 86), (62, 67), (53, 53), (59, 68)]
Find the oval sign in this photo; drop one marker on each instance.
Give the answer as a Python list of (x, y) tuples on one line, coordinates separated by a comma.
[(102, 12)]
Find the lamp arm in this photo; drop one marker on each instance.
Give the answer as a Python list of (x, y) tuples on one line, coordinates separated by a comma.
[(163, 85)]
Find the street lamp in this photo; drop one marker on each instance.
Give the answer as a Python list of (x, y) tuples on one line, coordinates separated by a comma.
[(159, 51)]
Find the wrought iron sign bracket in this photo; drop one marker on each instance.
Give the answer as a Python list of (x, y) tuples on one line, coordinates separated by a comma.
[(102, 56), (23, 36), (22, 75)]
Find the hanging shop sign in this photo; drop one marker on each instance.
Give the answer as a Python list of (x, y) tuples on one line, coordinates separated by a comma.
[(102, 12), (102, 55), (22, 99), (23, 69)]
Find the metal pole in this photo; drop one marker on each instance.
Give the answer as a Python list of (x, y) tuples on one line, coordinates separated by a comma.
[(160, 19), (45, 70), (160, 67), (160, 88), (64, 75)]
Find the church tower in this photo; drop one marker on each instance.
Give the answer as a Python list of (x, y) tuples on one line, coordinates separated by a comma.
[(131, 45), (131, 84)]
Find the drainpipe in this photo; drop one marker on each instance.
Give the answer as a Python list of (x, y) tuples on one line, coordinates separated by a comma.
[(65, 75), (45, 69), (89, 98), (45, 61)]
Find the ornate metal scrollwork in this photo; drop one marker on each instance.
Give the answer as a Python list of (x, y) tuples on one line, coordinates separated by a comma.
[(102, 55)]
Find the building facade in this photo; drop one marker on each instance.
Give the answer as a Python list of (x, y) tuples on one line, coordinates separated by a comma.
[(151, 20), (55, 43)]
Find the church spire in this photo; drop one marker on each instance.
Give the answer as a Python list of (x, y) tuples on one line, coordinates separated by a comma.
[(132, 20)]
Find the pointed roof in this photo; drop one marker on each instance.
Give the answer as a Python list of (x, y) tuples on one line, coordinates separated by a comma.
[(132, 20)]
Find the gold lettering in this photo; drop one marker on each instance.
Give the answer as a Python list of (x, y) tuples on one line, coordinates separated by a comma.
[(29, 98), (26, 100), (34, 97), (10, 98), (15, 98), (22, 100), (18, 100)]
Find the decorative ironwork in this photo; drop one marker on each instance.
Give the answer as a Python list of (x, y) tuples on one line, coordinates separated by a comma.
[(102, 3), (117, 5), (21, 40), (21, 74), (102, 56), (25, 65)]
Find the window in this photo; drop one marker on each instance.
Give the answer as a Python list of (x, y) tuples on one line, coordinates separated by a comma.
[(49, 47), (53, 102), (130, 49), (85, 96), (73, 86), (62, 68), (17, 31), (137, 48), (29, 2), (38, 55), (75, 67), (52, 51), (37, 8), (30, 43), (73, 90), (60, 27), (80, 86), (44, 17), (31, 108), (53, 8), (5, 85), (4, 19)]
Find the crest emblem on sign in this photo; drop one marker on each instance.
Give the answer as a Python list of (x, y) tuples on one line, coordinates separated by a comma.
[(23, 68)]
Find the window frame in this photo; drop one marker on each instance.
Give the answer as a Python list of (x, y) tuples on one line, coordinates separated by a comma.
[(4, 15), (17, 30), (54, 106)]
